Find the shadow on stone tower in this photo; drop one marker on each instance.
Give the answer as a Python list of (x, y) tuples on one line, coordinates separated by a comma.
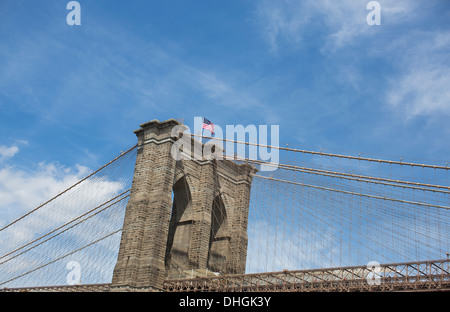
[(184, 218)]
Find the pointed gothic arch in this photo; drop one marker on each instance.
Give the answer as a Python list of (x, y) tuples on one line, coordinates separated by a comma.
[(180, 226), (219, 244)]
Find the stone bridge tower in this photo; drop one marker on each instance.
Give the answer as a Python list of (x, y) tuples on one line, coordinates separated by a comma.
[(184, 217)]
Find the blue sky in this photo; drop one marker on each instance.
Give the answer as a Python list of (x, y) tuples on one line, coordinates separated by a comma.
[(71, 96)]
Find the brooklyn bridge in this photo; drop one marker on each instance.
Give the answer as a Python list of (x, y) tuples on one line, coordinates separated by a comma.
[(149, 221)]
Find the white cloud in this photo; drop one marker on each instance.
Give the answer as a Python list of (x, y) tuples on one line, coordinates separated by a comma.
[(21, 191), (422, 92), (282, 21), (7, 152), (421, 88), (341, 22)]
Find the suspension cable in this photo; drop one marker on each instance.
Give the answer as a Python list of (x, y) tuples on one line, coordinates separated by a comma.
[(349, 176), (62, 257), (391, 162), (69, 188), (354, 193), (60, 227)]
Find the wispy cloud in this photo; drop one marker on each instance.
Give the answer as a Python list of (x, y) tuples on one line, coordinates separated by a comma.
[(282, 21), (421, 87), (114, 79), (416, 85), (336, 23), (422, 92), (7, 152), (22, 190)]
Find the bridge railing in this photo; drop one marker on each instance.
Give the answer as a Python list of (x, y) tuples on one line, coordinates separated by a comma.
[(424, 275)]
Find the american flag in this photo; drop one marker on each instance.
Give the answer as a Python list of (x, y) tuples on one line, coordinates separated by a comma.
[(208, 125)]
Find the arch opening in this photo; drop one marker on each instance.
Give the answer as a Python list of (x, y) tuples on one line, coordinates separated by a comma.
[(180, 229), (219, 245)]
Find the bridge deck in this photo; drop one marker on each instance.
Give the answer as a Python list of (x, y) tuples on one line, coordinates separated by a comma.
[(409, 276), (433, 275)]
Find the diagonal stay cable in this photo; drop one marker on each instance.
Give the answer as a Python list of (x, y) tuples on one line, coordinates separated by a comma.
[(62, 257), (357, 194), (15, 256), (348, 176), (69, 188), (390, 162)]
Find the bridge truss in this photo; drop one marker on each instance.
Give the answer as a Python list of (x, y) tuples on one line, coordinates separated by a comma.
[(409, 276)]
